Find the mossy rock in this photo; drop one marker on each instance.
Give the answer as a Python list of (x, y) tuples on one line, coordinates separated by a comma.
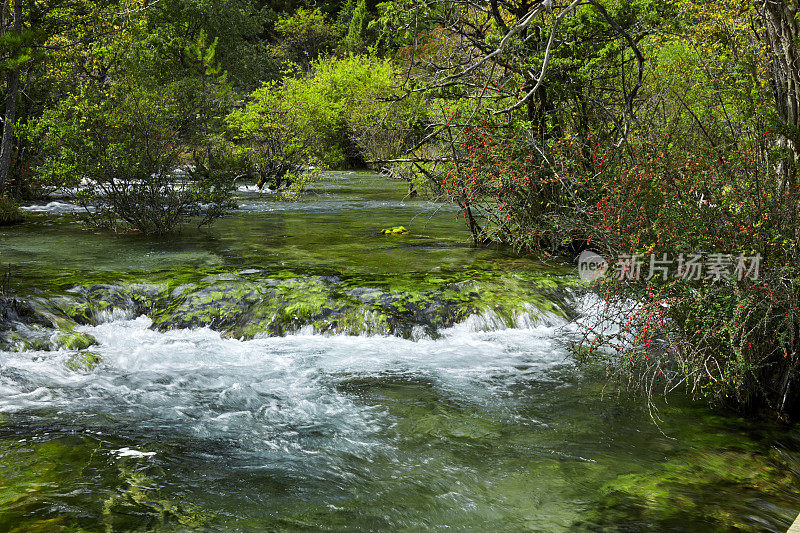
[(16, 342), (57, 313), (396, 230), (74, 340), (289, 305), (456, 426), (246, 306), (219, 305), (140, 501), (660, 495), (86, 361)]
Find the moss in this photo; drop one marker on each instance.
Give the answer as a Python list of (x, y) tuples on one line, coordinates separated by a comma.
[(74, 340), (77, 310), (290, 304), (658, 496), (141, 499), (357, 320), (86, 361), (248, 305), (306, 300), (15, 342), (511, 296), (219, 305), (397, 305)]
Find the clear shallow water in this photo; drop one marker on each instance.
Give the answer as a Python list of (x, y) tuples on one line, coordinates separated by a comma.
[(482, 429), (334, 228)]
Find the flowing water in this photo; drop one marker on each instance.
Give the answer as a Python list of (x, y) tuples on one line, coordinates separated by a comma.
[(483, 428)]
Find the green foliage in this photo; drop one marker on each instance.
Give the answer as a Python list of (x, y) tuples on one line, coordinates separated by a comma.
[(267, 133), (10, 213), (123, 145), (340, 91), (705, 180), (304, 37), (356, 39), (317, 119), (204, 97), (685, 152), (344, 17), (170, 26), (395, 230), (119, 132), (17, 50)]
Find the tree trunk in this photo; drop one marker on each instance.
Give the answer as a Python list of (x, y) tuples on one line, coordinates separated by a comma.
[(783, 35), (11, 108)]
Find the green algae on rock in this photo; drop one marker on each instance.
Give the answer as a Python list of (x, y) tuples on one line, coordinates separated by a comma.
[(405, 307), (35, 474), (74, 340), (47, 321), (85, 361), (140, 496), (245, 305)]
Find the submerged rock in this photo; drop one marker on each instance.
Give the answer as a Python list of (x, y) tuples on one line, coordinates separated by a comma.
[(37, 473), (86, 361)]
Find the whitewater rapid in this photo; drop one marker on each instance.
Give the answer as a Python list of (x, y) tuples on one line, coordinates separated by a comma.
[(279, 397)]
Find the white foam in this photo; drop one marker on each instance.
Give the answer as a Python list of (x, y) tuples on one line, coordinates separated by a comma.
[(55, 207), (128, 452), (268, 395)]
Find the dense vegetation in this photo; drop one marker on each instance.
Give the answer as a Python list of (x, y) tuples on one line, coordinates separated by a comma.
[(627, 127)]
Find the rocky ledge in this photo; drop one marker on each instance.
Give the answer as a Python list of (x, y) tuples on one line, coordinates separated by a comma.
[(250, 304)]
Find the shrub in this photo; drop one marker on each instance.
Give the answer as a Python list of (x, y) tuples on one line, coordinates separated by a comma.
[(121, 149), (10, 213)]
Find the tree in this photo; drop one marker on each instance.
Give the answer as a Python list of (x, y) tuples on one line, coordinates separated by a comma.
[(240, 25), (355, 40), (322, 118), (125, 145), (526, 79), (51, 45), (304, 36), (782, 31), (120, 129), (11, 100), (550, 130)]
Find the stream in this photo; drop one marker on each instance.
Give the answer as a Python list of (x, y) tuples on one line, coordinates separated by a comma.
[(479, 422)]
